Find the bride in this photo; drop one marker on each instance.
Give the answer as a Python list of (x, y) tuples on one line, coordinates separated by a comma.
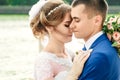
[(52, 18)]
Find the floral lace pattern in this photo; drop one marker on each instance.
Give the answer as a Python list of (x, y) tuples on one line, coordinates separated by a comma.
[(48, 65)]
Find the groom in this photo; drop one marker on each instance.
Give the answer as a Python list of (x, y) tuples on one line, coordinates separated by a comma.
[(88, 17)]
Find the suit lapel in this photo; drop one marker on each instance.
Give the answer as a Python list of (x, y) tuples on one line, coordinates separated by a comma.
[(98, 40)]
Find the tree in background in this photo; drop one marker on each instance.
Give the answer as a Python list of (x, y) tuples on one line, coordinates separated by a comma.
[(68, 1), (3, 2), (17, 2), (31, 2), (21, 2), (113, 2)]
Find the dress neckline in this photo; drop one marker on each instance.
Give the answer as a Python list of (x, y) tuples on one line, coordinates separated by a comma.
[(54, 55)]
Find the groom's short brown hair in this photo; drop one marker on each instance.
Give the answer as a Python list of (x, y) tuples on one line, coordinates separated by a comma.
[(93, 7)]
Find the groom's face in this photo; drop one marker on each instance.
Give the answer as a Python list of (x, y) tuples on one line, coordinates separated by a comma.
[(82, 26)]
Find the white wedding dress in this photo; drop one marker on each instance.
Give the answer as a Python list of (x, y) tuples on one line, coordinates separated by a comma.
[(49, 65)]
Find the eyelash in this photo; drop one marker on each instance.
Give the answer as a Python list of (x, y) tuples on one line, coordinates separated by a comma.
[(76, 20), (66, 25)]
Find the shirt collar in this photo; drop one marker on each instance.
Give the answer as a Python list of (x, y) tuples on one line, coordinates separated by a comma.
[(90, 41)]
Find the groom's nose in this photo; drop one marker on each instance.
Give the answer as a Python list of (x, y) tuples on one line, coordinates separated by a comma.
[(72, 26)]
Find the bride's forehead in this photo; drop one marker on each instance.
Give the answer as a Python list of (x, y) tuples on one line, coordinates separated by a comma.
[(67, 17)]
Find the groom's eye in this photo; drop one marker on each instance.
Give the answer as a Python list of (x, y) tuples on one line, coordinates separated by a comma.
[(77, 20)]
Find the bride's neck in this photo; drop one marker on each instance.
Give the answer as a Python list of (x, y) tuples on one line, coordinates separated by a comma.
[(55, 47)]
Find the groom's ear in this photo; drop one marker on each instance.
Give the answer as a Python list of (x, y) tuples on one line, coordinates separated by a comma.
[(98, 20)]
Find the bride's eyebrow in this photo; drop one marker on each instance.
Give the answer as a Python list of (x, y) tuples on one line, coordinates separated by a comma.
[(68, 21)]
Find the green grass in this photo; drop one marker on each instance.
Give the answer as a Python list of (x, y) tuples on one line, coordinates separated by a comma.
[(13, 17)]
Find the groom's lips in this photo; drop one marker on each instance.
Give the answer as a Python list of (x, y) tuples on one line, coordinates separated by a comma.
[(75, 31)]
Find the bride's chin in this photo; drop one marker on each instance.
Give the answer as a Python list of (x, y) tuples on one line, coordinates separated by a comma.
[(69, 40)]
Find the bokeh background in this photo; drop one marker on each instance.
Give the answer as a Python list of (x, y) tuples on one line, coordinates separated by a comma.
[(18, 46)]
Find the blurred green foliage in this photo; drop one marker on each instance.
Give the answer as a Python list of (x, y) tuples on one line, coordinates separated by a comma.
[(21, 2), (3, 2), (17, 2), (68, 1), (113, 2), (31, 2)]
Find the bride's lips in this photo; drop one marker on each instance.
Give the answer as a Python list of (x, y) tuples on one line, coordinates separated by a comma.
[(70, 35), (75, 31)]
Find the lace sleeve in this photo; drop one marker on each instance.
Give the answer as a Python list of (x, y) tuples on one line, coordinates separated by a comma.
[(43, 69)]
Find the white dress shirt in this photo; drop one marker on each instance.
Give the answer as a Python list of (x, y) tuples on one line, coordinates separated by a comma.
[(91, 40)]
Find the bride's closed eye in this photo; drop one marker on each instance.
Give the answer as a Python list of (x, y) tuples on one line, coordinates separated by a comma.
[(66, 25)]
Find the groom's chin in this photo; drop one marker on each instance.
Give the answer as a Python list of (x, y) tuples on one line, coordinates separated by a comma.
[(77, 36)]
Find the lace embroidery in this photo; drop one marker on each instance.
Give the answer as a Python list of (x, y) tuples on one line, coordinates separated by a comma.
[(66, 62), (43, 68)]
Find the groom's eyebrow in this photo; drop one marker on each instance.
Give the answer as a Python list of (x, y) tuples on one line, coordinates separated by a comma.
[(75, 18)]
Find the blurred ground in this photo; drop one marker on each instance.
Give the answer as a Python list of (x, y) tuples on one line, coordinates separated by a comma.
[(18, 48)]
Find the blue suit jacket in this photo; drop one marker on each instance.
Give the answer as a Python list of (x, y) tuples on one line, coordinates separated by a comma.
[(103, 63)]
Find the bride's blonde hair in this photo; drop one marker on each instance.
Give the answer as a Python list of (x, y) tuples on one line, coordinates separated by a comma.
[(50, 15)]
